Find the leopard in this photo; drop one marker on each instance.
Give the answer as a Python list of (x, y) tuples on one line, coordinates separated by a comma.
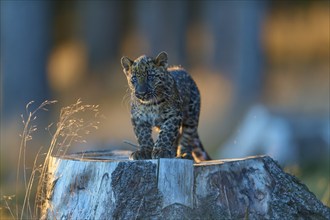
[(168, 99)]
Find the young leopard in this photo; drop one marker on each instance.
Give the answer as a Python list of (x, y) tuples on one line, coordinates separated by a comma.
[(166, 98)]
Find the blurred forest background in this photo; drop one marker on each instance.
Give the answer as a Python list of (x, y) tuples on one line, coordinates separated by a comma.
[(262, 68)]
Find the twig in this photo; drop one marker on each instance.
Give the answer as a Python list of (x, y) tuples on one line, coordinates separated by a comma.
[(7, 206), (131, 144)]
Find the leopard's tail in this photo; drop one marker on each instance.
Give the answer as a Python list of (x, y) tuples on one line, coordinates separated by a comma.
[(199, 152)]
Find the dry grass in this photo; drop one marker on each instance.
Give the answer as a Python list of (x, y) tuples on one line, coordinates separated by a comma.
[(75, 122)]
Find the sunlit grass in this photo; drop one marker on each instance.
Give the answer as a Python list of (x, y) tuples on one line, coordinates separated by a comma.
[(75, 121)]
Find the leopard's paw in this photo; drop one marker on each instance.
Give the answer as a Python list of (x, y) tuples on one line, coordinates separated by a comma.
[(187, 156), (159, 152), (144, 154)]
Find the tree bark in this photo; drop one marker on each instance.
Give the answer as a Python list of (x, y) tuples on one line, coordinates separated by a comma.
[(106, 185)]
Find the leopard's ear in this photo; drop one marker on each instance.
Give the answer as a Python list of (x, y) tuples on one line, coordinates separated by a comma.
[(161, 59), (126, 63)]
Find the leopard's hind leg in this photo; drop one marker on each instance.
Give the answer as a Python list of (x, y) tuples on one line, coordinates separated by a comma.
[(190, 146), (189, 129), (186, 142)]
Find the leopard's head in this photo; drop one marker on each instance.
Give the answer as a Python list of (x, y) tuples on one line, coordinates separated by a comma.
[(147, 77)]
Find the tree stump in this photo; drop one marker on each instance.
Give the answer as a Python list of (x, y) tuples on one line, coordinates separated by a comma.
[(106, 185)]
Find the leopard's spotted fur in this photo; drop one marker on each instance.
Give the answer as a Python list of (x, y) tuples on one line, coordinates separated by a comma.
[(166, 98)]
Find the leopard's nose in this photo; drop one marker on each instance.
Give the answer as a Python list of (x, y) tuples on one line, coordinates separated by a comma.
[(141, 90)]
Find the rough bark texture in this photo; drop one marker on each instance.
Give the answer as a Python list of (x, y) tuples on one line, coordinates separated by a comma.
[(105, 185)]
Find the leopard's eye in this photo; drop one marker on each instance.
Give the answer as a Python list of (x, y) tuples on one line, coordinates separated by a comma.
[(150, 77), (133, 79)]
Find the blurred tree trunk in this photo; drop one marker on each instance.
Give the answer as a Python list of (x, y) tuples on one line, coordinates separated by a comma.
[(237, 30), (100, 26), (164, 24), (25, 44), (101, 185), (236, 27)]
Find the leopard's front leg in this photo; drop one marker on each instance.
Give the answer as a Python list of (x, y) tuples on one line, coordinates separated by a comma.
[(143, 132), (166, 144)]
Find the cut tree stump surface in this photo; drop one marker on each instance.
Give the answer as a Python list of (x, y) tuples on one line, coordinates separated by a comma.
[(106, 185)]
